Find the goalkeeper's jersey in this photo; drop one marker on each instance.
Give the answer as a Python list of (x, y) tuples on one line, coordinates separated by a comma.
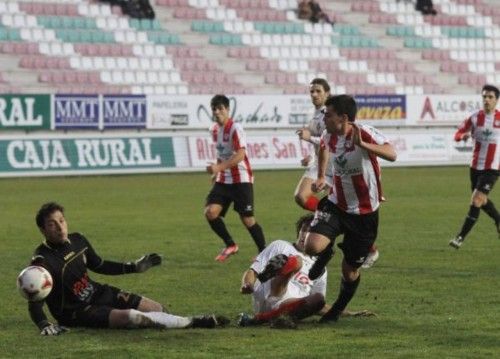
[(68, 263)]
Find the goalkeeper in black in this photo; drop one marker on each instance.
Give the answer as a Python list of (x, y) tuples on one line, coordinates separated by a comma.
[(78, 301)]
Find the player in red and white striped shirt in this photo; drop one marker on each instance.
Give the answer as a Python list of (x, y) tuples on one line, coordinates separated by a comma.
[(484, 127), (351, 208), (233, 179)]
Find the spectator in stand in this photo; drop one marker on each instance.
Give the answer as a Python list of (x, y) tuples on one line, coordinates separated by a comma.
[(426, 7), (137, 9), (311, 10)]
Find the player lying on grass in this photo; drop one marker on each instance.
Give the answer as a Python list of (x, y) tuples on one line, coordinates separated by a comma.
[(78, 301), (280, 286)]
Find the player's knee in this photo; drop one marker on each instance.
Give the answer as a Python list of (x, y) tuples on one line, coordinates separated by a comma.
[(211, 214), (299, 199), (248, 221)]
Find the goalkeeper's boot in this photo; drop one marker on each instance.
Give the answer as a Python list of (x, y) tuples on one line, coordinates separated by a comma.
[(370, 260), (208, 321), (226, 252), (457, 242)]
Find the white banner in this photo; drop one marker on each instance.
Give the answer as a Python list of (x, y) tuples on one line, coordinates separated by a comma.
[(194, 112), (441, 109)]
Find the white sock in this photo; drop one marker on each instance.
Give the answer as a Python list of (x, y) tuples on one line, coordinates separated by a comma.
[(146, 319)]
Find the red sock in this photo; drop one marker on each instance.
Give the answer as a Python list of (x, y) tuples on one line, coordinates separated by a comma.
[(311, 203), (282, 309), (290, 265)]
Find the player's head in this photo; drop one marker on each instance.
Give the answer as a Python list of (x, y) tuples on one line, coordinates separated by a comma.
[(302, 227), (490, 95), (51, 222), (220, 108), (319, 89), (340, 110)]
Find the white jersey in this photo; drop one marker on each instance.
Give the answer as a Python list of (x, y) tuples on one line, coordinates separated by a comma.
[(299, 286), (228, 140), (317, 126), (356, 172)]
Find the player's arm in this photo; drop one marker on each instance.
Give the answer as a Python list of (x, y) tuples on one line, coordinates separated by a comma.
[(305, 134), (385, 150), (323, 157), (463, 132), (101, 266), (248, 281)]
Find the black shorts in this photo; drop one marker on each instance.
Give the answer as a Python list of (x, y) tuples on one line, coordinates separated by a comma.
[(360, 231), (96, 315), (483, 180), (239, 193)]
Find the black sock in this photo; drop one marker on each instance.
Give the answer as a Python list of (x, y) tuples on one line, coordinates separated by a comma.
[(470, 220), (318, 267), (220, 229), (258, 236), (347, 290), (491, 211)]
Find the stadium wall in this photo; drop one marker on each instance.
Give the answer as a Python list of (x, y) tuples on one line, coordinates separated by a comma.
[(50, 135)]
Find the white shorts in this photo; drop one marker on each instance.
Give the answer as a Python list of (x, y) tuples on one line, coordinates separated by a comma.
[(312, 173)]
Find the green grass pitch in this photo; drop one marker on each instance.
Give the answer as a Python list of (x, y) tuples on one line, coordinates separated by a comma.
[(432, 301)]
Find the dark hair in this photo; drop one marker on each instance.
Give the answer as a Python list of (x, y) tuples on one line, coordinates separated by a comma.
[(304, 220), (46, 210), (343, 105), (322, 82), (492, 89), (219, 100)]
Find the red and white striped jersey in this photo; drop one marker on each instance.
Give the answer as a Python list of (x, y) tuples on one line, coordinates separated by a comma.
[(228, 140), (485, 130), (356, 172)]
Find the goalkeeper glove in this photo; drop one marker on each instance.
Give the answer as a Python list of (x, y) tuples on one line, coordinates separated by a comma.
[(53, 329), (146, 262)]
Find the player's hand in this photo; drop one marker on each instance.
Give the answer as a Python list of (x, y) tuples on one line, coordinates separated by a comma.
[(318, 185), (304, 134), (53, 329), (356, 135), (246, 288), (305, 161), (465, 137), (146, 262), (212, 168)]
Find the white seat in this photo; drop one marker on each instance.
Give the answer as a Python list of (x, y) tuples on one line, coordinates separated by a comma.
[(152, 78), (87, 63), (164, 77), (105, 76), (121, 63), (167, 64), (155, 63), (75, 62), (110, 63), (117, 77), (133, 63), (141, 77), (129, 77), (175, 77), (98, 63), (145, 63)]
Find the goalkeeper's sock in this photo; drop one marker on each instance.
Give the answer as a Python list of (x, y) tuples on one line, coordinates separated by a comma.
[(219, 227), (157, 319), (258, 236), (469, 221), (311, 203), (286, 308)]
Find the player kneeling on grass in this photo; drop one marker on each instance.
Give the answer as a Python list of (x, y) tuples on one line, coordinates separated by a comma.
[(280, 286), (78, 301)]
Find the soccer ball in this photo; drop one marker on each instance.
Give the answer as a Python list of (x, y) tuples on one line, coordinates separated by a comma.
[(34, 283)]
